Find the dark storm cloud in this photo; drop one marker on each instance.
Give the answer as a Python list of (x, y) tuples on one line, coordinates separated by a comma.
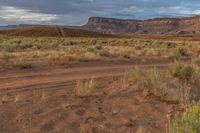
[(75, 12)]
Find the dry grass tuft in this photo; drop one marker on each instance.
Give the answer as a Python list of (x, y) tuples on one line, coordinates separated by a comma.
[(155, 83), (84, 88), (141, 130)]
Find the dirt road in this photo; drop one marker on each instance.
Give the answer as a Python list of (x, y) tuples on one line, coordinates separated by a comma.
[(43, 100)]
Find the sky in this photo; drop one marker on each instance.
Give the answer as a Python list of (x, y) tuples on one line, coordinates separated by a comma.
[(77, 12)]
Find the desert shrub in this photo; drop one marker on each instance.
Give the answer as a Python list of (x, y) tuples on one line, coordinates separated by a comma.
[(93, 41), (155, 82), (60, 60), (171, 44), (84, 88), (196, 61), (84, 59), (6, 60), (104, 53), (24, 46), (138, 47), (127, 56), (24, 65), (63, 59), (70, 43), (175, 57), (152, 81), (39, 46), (137, 74), (188, 122), (55, 45), (10, 47), (98, 46), (90, 49), (175, 69), (186, 72), (13, 47), (181, 71), (180, 52)]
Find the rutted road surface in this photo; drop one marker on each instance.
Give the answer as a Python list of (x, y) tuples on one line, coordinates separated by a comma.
[(42, 100), (19, 79)]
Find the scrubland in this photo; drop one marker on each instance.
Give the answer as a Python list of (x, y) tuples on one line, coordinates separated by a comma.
[(100, 84)]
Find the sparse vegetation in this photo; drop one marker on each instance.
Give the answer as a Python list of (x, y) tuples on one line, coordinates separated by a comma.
[(91, 49), (181, 71), (179, 53), (104, 53), (182, 52), (155, 83), (147, 85), (141, 130), (197, 60), (60, 60), (98, 47), (24, 65), (6, 60), (188, 122), (49, 49), (84, 88), (168, 86)]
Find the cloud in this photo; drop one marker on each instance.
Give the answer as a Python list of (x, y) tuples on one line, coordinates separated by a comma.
[(13, 14), (76, 12), (179, 10)]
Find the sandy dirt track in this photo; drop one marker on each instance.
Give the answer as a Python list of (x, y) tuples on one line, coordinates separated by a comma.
[(42, 100)]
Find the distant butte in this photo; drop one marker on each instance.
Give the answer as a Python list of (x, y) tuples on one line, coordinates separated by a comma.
[(179, 25), (99, 26)]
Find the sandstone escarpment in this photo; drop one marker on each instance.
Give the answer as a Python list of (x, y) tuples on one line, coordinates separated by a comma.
[(184, 25)]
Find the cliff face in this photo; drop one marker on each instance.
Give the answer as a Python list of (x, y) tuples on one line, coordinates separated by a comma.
[(187, 25)]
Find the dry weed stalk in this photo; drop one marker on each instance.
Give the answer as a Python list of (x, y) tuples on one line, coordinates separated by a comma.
[(84, 88)]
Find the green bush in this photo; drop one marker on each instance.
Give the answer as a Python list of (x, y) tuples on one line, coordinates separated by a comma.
[(196, 61), (98, 47), (104, 53), (24, 65), (175, 57), (188, 122), (181, 71), (171, 44), (70, 43), (90, 49), (180, 52)]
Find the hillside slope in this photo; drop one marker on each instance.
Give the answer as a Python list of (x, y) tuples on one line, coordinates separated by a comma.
[(51, 32)]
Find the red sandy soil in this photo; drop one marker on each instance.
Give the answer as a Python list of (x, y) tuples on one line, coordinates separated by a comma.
[(43, 100)]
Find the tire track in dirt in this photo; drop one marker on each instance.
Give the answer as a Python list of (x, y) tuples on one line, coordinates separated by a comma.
[(44, 100), (29, 80)]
